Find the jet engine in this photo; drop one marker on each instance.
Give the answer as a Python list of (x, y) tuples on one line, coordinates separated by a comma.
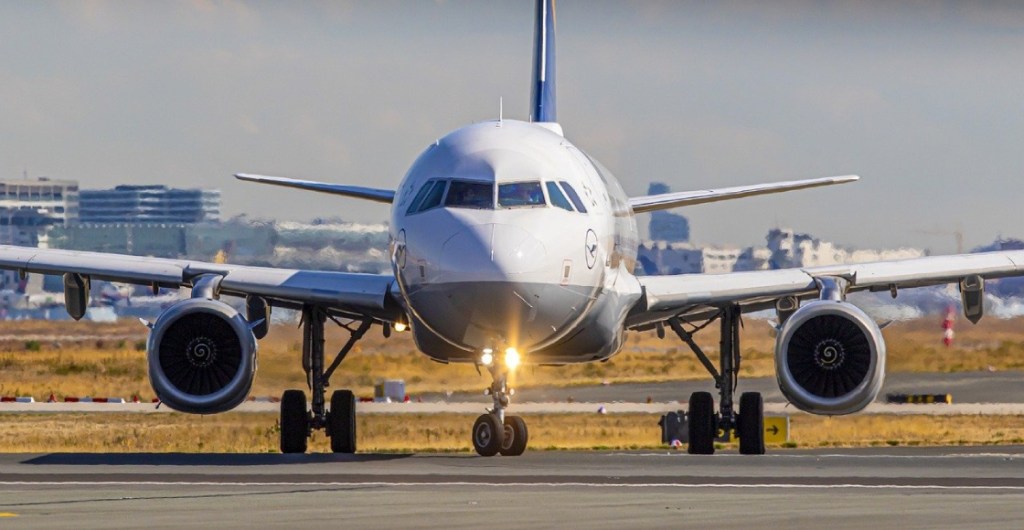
[(202, 356), (830, 358)]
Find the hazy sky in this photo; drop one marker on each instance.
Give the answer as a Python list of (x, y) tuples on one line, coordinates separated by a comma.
[(924, 100)]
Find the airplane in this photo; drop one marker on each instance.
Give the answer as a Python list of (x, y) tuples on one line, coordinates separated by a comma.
[(509, 245)]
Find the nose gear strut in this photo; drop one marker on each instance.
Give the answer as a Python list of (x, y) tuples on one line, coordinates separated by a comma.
[(495, 432)]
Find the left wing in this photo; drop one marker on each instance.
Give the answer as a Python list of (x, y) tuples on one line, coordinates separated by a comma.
[(664, 201), (679, 295), (349, 293)]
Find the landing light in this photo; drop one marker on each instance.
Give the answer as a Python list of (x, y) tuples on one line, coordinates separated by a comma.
[(511, 358), (399, 326), (488, 357)]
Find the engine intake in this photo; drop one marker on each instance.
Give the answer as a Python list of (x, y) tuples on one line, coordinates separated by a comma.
[(202, 357), (830, 358)]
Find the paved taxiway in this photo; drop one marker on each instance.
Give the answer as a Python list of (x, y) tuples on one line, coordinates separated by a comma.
[(973, 393), (966, 387), (905, 487)]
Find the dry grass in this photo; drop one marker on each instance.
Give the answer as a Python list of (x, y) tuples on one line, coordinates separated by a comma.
[(111, 361), (257, 433)]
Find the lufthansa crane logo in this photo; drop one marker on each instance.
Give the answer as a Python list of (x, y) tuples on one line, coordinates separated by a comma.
[(591, 249)]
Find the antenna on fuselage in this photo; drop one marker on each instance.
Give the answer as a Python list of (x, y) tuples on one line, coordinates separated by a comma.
[(501, 110)]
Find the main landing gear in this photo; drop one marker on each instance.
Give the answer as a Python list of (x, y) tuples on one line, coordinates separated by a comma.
[(298, 423), (704, 424), (496, 432)]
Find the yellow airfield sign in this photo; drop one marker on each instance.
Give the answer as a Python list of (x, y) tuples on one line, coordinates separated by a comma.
[(776, 430)]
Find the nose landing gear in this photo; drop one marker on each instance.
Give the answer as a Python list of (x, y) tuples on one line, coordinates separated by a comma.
[(495, 432)]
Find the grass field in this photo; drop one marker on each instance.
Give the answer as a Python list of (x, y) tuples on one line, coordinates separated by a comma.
[(257, 432), (37, 358)]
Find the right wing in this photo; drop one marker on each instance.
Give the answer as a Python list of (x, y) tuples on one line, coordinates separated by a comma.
[(359, 192), (348, 293), (665, 201)]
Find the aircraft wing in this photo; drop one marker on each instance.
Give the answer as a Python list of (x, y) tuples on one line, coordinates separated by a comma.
[(359, 192), (679, 295), (665, 201), (348, 293)]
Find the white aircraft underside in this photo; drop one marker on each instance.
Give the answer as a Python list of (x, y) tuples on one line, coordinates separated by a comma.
[(510, 244)]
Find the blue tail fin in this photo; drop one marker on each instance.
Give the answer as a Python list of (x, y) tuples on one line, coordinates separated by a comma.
[(542, 101)]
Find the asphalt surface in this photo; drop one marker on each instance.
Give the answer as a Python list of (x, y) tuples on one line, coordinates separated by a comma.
[(966, 387), (988, 393), (883, 488)]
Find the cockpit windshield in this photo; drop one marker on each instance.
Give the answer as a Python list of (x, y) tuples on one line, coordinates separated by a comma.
[(573, 196), (428, 197), (556, 197), (480, 195), (468, 194), (520, 194)]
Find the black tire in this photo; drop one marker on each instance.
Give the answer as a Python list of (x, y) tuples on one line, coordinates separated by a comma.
[(750, 424), (294, 422), (515, 437), (341, 422), (702, 424), (487, 435)]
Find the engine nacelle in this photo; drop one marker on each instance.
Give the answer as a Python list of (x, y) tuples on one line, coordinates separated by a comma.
[(830, 358), (202, 356)]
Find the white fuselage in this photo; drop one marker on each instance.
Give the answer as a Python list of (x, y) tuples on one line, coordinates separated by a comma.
[(503, 235)]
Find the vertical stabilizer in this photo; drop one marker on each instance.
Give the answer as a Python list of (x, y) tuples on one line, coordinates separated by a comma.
[(542, 101)]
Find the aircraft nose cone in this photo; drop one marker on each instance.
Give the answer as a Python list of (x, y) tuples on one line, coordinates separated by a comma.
[(491, 252)]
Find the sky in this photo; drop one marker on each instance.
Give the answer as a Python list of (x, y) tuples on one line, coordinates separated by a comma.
[(922, 99)]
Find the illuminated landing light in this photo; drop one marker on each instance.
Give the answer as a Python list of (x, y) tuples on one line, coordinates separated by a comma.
[(487, 358), (511, 358), (399, 326)]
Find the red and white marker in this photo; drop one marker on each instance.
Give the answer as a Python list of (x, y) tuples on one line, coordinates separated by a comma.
[(947, 326)]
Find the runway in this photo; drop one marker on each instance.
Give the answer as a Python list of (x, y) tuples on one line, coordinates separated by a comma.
[(908, 487)]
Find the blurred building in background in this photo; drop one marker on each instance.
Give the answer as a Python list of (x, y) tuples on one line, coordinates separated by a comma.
[(28, 210), (149, 204), (666, 226)]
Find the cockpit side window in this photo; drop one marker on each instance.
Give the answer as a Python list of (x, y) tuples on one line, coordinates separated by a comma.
[(573, 196), (520, 195), (428, 197), (419, 197), (556, 196), (469, 194), (433, 199)]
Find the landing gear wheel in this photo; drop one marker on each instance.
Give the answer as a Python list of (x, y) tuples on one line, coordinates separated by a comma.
[(487, 435), (515, 437), (341, 422), (750, 424), (702, 428), (294, 422)]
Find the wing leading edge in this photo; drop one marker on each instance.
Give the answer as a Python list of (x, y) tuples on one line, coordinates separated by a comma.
[(359, 192), (665, 201), (362, 294), (667, 296)]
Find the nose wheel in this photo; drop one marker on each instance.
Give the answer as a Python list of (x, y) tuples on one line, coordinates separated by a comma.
[(515, 437), (488, 433), (496, 433)]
